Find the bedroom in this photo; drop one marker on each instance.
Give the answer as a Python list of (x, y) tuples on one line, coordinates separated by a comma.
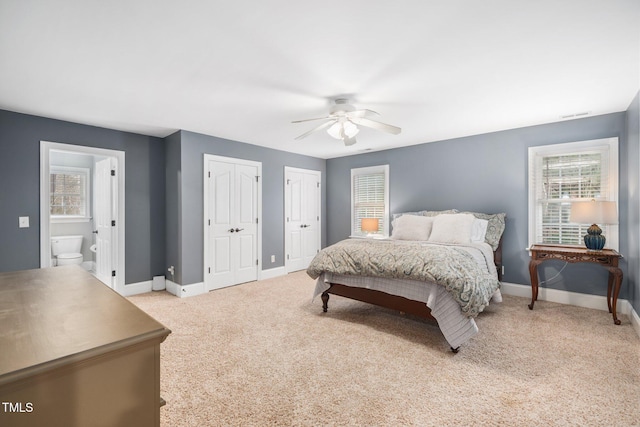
[(163, 187)]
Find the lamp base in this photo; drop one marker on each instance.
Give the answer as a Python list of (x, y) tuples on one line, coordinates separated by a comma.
[(594, 239)]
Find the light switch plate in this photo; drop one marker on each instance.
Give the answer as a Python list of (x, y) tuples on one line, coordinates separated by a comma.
[(23, 221)]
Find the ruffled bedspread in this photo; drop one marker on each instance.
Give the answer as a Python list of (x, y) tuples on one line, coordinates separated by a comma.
[(469, 282)]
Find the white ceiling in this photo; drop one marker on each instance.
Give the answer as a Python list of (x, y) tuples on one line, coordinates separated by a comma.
[(243, 70)]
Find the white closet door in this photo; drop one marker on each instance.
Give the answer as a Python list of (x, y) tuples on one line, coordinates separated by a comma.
[(221, 200), (232, 228), (311, 218), (302, 222), (245, 261), (295, 222)]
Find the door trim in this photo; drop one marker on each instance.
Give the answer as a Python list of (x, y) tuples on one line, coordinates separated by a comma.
[(205, 219), (45, 238), (287, 202)]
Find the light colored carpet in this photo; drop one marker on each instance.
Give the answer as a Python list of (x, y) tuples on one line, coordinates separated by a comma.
[(263, 354)]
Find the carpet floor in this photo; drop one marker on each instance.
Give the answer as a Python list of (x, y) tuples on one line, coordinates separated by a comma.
[(264, 354)]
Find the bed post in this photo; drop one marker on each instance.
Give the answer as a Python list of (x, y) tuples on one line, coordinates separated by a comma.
[(325, 301)]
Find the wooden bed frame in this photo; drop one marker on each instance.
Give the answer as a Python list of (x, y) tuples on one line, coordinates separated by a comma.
[(394, 302)]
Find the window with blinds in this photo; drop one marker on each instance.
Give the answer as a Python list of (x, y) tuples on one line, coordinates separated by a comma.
[(69, 192), (370, 198), (562, 174)]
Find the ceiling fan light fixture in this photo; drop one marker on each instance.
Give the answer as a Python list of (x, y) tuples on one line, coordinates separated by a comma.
[(350, 129), (344, 122), (343, 129), (335, 131)]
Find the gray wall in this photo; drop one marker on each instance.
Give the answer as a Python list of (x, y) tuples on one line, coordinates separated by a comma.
[(633, 158), (188, 196), (484, 173), (173, 199), (164, 191), (20, 136)]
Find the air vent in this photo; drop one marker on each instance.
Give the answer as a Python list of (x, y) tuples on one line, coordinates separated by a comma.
[(575, 115)]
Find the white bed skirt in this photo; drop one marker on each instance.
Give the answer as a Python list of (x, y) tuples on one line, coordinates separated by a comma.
[(455, 326)]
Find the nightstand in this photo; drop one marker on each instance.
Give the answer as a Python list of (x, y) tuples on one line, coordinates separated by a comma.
[(607, 258)]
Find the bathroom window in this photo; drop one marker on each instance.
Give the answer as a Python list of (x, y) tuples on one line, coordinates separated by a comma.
[(69, 195)]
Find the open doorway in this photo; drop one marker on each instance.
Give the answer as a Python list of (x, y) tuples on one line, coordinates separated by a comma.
[(82, 210)]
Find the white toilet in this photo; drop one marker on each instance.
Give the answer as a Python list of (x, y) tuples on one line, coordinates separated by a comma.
[(66, 249)]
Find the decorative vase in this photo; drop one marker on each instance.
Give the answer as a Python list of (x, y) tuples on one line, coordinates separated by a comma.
[(594, 240)]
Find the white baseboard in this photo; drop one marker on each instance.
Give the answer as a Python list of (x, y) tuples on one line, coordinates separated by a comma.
[(273, 272), (137, 288), (635, 320), (597, 302), (184, 291), (171, 287), (193, 289)]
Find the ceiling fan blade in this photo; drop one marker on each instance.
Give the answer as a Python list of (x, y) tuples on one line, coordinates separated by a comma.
[(309, 120), (375, 125), (349, 141), (361, 113), (317, 128)]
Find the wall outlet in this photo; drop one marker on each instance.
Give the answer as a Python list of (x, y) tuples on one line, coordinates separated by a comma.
[(23, 222), (273, 258)]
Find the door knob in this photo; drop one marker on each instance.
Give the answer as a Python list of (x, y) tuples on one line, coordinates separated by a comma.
[(239, 230), (95, 231), (231, 230)]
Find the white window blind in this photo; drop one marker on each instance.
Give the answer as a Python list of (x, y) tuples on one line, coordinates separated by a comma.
[(562, 174), (369, 198)]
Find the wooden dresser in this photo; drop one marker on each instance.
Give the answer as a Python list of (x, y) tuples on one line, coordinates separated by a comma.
[(73, 352)]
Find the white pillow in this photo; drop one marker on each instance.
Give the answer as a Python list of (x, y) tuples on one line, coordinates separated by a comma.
[(452, 228), (479, 230), (411, 227)]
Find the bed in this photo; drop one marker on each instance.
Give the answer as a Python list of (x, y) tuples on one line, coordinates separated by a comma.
[(439, 265)]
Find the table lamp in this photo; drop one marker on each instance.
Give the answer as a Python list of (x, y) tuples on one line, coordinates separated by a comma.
[(369, 225), (594, 212)]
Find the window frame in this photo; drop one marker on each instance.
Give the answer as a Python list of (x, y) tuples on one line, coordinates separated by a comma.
[(605, 145), (370, 170), (86, 172)]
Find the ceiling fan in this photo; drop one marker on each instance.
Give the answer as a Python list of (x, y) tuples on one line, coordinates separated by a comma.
[(342, 121)]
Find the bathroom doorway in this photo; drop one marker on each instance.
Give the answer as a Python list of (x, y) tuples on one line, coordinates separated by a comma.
[(82, 195)]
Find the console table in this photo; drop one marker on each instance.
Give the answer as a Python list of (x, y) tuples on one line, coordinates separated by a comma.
[(608, 258), (74, 353)]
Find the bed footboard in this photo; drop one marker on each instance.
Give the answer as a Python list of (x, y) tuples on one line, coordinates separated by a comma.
[(382, 299)]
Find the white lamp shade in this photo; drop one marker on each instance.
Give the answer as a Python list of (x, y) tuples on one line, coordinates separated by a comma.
[(370, 225), (335, 130), (594, 212), (350, 129)]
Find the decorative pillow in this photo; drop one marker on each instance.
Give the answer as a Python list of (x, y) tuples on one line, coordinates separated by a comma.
[(479, 230), (411, 227), (436, 213), (495, 227), (452, 228), (398, 215), (423, 213)]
